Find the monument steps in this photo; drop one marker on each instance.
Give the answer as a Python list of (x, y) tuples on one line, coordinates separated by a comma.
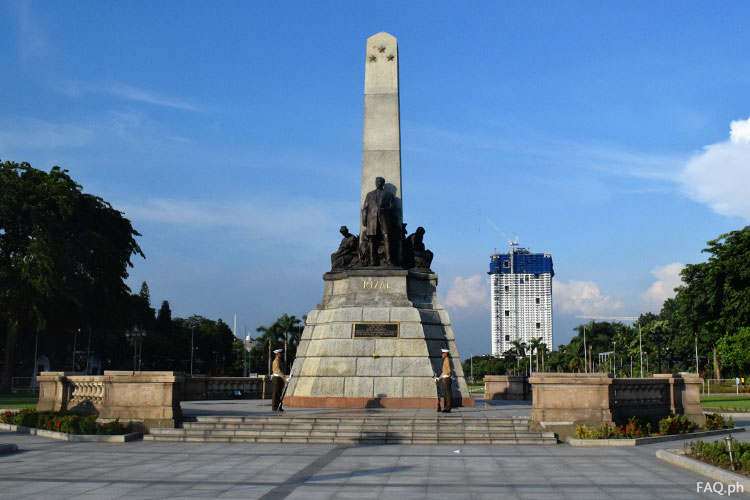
[(441, 429)]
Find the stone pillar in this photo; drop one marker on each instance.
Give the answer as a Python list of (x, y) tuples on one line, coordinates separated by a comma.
[(381, 142), (571, 397), (53, 391), (685, 395)]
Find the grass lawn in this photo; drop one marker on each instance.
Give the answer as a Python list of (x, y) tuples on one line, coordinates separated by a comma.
[(476, 388), (728, 402), (18, 400)]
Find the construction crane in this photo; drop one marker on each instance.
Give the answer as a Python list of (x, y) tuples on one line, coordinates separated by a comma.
[(609, 318), (614, 318), (512, 245)]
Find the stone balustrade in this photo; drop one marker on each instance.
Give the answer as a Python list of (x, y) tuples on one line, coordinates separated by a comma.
[(562, 401), (197, 388), (514, 387), (84, 389), (149, 399)]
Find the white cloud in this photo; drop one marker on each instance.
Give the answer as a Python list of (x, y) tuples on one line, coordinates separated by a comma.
[(472, 293), (582, 297), (739, 131), (77, 88), (32, 39), (141, 95), (299, 222), (38, 134), (720, 174), (667, 279)]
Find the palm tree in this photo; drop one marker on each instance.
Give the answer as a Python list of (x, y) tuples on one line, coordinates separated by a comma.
[(520, 347), (267, 337), (576, 360), (534, 349), (284, 325), (543, 351), (510, 356)]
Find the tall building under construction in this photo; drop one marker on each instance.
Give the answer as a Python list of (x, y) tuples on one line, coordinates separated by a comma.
[(521, 298)]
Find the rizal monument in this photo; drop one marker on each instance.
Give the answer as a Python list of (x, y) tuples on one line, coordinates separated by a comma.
[(376, 338)]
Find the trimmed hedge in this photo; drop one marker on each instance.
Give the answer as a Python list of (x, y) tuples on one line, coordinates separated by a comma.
[(62, 421), (715, 453), (673, 424)]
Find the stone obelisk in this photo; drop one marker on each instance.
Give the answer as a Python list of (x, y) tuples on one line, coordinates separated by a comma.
[(381, 139), (375, 339)]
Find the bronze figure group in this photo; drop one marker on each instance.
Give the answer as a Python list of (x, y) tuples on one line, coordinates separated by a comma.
[(383, 242)]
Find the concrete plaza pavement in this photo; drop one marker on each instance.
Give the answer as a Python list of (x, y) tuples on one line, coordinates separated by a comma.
[(49, 469)]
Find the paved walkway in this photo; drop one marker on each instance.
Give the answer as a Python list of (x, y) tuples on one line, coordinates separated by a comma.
[(56, 470)]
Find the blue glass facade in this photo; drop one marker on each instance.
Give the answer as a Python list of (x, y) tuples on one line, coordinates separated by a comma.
[(523, 263)]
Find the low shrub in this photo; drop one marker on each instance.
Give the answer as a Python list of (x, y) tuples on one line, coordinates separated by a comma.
[(675, 424), (716, 421), (635, 428), (715, 453), (62, 421), (25, 417), (603, 432)]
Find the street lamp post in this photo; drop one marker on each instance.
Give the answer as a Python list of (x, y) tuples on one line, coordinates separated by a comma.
[(585, 352), (192, 349), (75, 342), (135, 336), (696, 353), (640, 346), (659, 337), (614, 359), (249, 344)]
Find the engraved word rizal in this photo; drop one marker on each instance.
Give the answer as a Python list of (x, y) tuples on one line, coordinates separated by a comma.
[(375, 285)]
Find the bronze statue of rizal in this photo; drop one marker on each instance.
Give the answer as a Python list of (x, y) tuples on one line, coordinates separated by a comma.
[(379, 221)]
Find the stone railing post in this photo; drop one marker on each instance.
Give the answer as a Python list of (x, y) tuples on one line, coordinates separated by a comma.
[(54, 391), (150, 397), (685, 395), (562, 401)]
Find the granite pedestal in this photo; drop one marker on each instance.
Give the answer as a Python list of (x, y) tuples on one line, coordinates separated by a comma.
[(395, 366)]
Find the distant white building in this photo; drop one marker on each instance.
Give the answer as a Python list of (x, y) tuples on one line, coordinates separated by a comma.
[(521, 298)]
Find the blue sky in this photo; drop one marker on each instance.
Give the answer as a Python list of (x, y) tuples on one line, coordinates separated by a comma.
[(613, 136)]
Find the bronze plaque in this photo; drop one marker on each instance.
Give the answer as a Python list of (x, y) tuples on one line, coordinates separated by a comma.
[(375, 331)]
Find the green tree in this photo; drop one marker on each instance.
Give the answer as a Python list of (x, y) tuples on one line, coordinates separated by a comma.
[(287, 326), (145, 294), (483, 365), (511, 358), (715, 300), (164, 318), (64, 256), (555, 362), (735, 349), (534, 345), (215, 353), (574, 356)]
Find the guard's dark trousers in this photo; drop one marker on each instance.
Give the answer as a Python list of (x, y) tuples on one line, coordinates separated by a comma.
[(278, 384), (448, 395)]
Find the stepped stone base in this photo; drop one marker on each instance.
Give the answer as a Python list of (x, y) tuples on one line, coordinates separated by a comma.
[(334, 402), (439, 429), (336, 369)]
